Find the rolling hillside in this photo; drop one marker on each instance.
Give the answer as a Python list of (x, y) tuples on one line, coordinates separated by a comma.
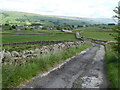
[(22, 17)]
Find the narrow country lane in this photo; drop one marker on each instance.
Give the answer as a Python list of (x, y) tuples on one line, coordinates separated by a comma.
[(86, 70)]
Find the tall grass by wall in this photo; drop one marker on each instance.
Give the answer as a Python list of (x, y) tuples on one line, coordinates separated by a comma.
[(12, 76), (112, 67)]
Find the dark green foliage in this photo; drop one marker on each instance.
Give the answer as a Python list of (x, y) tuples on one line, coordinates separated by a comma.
[(111, 24), (6, 24), (13, 26), (117, 30), (58, 27), (116, 46), (10, 28), (25, 28), (35, 24)]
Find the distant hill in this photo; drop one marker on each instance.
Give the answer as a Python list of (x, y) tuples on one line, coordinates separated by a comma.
[(22, 17)]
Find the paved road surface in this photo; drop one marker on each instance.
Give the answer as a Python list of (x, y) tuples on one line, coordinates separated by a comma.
[(84, 71)]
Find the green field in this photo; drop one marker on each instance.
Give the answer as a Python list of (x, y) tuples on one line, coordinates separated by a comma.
[(85, 33), (99, 35), (38, 31), (22, 32), (102, 32), (27, 38)]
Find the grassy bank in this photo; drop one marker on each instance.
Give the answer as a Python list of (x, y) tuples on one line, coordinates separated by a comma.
[(112, 67), (14, 75)]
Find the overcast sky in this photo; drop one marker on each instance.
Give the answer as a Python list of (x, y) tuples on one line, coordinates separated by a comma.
[(78, 8)]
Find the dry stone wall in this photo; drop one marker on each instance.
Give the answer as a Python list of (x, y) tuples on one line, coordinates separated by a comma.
[(15, 57)]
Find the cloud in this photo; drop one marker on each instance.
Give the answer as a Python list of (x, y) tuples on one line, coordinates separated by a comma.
[(79, 8)]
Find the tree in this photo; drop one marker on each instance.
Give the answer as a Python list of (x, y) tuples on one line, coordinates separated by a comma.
[(6, 24), (117, 29), (13, 26), (58, 28), (10, 28)]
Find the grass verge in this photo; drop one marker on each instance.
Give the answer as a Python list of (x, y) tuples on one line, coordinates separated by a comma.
[(12, 76), (112, 67)]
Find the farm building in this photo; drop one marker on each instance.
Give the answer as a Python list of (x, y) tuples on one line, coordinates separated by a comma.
[(66, 30)]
